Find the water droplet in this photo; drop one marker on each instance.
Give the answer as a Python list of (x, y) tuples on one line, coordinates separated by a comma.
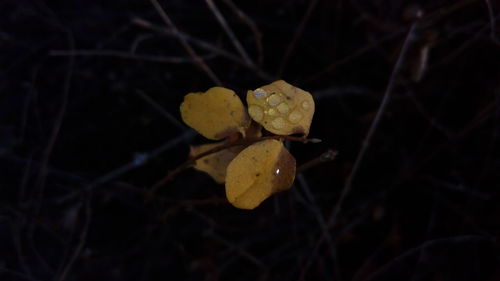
[(277, 172), (274, 100), (305, 105), (283, 108), (295, 116), (278, 123), (256, 112), (260, 93), (272, 112)]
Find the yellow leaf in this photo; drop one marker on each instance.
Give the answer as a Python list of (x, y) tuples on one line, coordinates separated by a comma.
[(258, 172), (281, 108), (214, 164), (215, 114)]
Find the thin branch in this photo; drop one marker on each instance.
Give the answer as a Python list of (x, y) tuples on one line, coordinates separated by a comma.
[(374, 125), (327, 156), (313, 206), (126, 55), (161, 110), (137, 41), (449, 242), (40, 181), (366, 144), (493, 27), (246, 141), (296, 36), (17, 274), (81, 241), (237, 248), (16, 238), (204, 45), (201, 64), (191, 203), (222, 21), (253, 27), (361, 51), (138, 161)]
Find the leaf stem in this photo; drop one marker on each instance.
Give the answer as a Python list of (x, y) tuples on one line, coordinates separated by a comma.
[(225, 145)]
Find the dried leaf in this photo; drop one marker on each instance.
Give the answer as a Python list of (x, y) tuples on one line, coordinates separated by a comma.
[(215, 114), (214, 164), (259, 171), (281, 108)]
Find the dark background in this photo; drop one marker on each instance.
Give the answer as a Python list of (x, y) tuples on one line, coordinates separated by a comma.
[(89, 121)]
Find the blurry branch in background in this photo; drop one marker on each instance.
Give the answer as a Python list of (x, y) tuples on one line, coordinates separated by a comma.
[(17, 274), (327, 156), (128, 55), (493, 19), (204, 45), (139, 160), (222, 21), (333, 219), (65, 267), (199, 62), (357, 53), (296, 36), (408, 257), (253, 27), (371, 131), (161, 110)]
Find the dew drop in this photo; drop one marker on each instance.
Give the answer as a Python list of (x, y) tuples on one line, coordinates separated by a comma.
[(256, 112), (278, 123), (272, 112), (305, 105), (274, 100), (283, 108), (260, 93), (295, 116)]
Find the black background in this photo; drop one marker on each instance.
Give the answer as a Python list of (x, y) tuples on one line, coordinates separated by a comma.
[(424, 203)]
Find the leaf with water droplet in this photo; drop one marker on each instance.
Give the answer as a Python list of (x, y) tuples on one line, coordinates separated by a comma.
[(257, 172), (281, 108), (215, 114)]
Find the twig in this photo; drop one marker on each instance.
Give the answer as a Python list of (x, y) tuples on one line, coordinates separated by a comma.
[(201, 64), (361, 51), (205, 45), (253, 27), (139, 161), (135, 44), (296, 36), (459, 49), (161, 110), (81, 241), (493, 27), (450, 242), (246, 141), (41, 177), (126, 55), (229, 31), (237, 248), (366, 143), (17, 274), (374, 125), (327, 156), (191, 203), (316, 210), (16, 238)]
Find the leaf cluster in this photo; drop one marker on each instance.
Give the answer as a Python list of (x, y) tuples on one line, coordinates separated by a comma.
[(252, 171)]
